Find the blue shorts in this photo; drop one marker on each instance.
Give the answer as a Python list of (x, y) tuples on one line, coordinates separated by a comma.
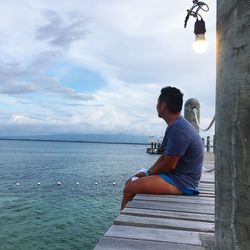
[(187, 191)]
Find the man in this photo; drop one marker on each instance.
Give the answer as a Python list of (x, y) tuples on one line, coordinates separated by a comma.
[(178, 169)]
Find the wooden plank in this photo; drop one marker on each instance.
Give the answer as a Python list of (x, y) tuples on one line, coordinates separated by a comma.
[(168, 214), (173, 206), (212, 188), (155, 234), (111, 243), (207, 177), (207, 181), (183, 197), (205, 196), (206, 188), (201, 195), (180, 198), (207, 184), (175, 224), (207, 192), (208, 163)]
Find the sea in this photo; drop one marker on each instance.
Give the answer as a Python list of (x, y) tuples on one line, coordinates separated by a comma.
[(62, 195)]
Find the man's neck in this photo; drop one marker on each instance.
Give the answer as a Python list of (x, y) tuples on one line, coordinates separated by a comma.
[(171, 118)]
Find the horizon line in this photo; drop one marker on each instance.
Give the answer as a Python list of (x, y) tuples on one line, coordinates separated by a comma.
[(76, 141)]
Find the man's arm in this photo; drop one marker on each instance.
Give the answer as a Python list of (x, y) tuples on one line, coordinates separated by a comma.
[(142, 174), (161, 158), (164, 164)]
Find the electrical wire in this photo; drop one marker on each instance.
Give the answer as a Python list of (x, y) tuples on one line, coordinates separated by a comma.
[(192, 12)]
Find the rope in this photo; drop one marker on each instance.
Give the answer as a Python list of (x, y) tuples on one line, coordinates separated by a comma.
[(197, 121), (210, 125), (208, 170)]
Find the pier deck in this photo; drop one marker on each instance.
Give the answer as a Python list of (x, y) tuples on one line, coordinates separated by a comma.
[(166, 221)]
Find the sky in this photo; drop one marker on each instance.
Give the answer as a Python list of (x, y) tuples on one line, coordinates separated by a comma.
[(97, 66)]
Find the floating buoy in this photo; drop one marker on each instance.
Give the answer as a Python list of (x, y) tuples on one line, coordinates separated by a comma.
[(77, 183), (58, 183), (114, 183), (17, 184), (38, 183), (96, 183)]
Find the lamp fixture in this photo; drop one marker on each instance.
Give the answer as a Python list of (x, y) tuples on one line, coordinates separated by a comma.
[(200, 44)]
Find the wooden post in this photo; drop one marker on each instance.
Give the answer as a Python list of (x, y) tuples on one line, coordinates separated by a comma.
[(189, 114), (208, 144), (232, 154)]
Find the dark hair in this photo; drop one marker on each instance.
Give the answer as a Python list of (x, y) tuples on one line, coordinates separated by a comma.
[(172, 97)]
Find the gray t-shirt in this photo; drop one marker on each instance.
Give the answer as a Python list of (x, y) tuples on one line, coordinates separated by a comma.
[(181, 139)]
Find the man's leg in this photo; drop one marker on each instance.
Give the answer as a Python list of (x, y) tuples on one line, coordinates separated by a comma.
[(152, 184)]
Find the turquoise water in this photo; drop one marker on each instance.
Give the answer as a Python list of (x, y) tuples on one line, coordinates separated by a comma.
[(66, 216)]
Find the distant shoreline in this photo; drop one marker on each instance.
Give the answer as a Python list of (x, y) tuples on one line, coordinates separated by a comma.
[(47, 140)]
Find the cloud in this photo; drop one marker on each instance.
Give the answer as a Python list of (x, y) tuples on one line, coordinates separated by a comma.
[(11, 82), (52, 86), (24, 79), (135, 47), (78, 104), (18, 88), (119, 108), (44, 59), (78, 96), (23, 119), (61, 32)]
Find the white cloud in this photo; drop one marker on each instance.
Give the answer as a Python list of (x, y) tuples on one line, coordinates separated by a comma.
[(61, 32), (23, 119), (137, 47)]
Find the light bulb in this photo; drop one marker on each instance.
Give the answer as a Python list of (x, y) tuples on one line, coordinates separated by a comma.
[(200, 44)]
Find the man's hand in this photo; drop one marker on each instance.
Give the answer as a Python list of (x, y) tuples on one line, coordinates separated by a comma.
[(140, 174)]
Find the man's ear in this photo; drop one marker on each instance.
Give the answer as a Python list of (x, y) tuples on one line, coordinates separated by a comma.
[(164, 105)]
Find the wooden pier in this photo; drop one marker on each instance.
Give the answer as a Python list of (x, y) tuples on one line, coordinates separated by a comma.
[(166, 221)]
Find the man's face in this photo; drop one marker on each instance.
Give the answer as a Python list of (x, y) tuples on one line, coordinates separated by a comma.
[(159, 108)]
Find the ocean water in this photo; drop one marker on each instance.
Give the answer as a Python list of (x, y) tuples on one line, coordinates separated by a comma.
[(66, 216)]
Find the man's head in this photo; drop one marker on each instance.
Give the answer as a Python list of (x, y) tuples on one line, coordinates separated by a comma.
[(170, 99)]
